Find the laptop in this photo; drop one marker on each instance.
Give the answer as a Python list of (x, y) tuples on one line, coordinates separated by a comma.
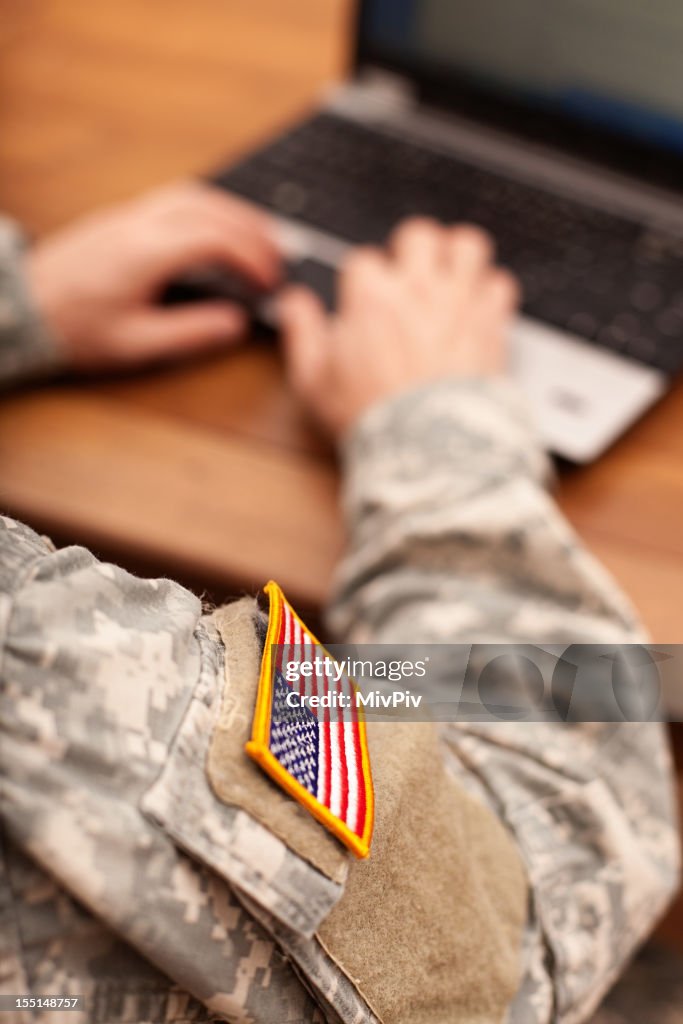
[(556, 126)]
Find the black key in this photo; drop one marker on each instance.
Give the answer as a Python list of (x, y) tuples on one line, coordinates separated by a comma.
[(318, 276)]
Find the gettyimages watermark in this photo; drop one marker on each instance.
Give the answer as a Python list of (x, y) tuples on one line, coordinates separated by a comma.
[(482, 682)]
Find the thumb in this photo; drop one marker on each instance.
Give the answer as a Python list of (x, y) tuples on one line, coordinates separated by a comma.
[(306, 334), (185, 329)]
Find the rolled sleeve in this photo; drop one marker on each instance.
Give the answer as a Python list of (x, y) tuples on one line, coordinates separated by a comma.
[(454, 538)]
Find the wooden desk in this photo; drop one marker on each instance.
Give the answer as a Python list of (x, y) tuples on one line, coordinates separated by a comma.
[(210, 471)]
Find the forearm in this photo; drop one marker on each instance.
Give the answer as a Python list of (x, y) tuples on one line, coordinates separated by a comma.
[(26, 347), (453, 535), (454, 539)]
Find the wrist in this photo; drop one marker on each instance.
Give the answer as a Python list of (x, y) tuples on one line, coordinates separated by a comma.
[(471, 425)]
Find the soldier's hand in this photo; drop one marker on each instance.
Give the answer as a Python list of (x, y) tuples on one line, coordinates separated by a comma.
[(432, 305), (96, 282)]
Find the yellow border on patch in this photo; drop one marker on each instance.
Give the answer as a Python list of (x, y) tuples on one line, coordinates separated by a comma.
[(259, 751)]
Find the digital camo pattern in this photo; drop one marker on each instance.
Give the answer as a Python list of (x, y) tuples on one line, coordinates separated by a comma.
[(335, 992), (224, 837), (454, 539), (49, 944), (98, 672), (26, 348)]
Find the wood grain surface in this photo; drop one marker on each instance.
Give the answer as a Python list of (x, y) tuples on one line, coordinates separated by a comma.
[(211, 470)]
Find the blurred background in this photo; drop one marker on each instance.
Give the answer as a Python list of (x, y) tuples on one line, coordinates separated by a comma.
[(102, 100)]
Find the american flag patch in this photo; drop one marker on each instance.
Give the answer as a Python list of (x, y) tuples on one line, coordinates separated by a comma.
[(319, 755)]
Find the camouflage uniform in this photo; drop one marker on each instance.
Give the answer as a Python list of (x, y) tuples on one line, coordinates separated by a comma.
[(107, 679), (26, 348)]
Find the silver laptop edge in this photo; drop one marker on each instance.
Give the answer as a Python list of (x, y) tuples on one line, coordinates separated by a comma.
[(582, 397)]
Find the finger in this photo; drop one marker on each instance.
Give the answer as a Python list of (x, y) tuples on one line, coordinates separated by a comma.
[(231, 214), (499, 299), (364, 274), (469, 249), (187, 197), (252, 250), (418, 244), (306, 333), (185, 329), (180, 245), (223, 203), (504, 291), (188, 221)]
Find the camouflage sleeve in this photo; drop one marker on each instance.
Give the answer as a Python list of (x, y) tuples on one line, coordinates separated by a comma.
[(106, 682), (26, 347), (455, 539)]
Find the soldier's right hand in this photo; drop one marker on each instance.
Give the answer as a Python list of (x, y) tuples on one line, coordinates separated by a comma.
[(431, 305), (96, 282)]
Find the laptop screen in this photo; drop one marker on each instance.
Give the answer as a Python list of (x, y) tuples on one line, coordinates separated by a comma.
[(617, 64)]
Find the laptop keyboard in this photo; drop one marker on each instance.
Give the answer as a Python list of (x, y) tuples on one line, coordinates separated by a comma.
[(592, 273)]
